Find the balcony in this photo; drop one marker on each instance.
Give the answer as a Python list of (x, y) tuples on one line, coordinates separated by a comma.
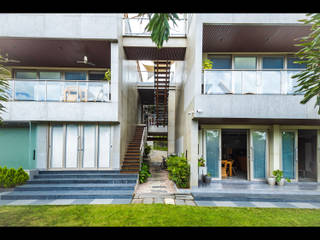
[(136, 27), (59, 90), (257, 95), (248, 81)]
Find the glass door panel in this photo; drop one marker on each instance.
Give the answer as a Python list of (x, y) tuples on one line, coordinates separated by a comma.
[(57, 142), (288, 153), (72, 146), (89, 146), (104, 146), (259, 144), (213, 152)]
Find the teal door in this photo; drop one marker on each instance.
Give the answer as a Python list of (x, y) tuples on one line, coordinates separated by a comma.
[(259, 151), (213, 152), (288, 153)]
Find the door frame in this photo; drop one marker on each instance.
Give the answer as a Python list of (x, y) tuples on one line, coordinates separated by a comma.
[(251, 157), (80, 154), (238, 126), (295, 164)]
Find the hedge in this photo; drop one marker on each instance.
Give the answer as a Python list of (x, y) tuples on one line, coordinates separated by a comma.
[(11, 177)]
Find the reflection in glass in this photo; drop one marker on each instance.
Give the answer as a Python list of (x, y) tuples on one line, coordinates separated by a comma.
[(271, 82), (259, 153), (245, 62), (57, 146), (288, 147), (212, 152), (55, 91), (218, 82), (292, 82), (89, 142), (24, 90), (71, 146), (104, 146)]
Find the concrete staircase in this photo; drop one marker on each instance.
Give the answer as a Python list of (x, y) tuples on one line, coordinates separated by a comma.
[(131, 163), (107, 184)]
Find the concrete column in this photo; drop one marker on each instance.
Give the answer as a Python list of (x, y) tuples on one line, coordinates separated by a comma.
[(171, 120), (193, 155), (275, 143)]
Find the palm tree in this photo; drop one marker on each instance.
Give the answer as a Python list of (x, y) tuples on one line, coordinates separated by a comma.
[(4, 75), (159, 26), (309, 79)]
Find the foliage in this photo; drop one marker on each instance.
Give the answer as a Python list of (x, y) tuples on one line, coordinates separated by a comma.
[(278, 174), (159, 26), (309, 79), (12, 177), (4, 74), (207, 64), (147, 149), (201, 162), (107, 75), (179, 171), (144, 173)]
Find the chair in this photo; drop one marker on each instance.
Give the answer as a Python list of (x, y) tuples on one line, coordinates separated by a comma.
[(223, 170)]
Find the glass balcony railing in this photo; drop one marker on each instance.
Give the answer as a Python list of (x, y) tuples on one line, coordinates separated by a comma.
[(58, 90), (248, 81), (136, 27)]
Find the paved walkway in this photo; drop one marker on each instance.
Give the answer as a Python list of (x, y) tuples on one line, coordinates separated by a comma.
[(159, 189)]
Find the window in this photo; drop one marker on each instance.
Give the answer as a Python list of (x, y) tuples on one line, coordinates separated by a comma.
[(291, 63), (75, 76), (245, 62), (50, 75), (26, 75), (220, 61), (272, 62), (96, 76)]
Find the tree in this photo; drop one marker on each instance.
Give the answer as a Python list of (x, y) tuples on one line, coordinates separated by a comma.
[(4, 74), (309, 79), (159, 26)]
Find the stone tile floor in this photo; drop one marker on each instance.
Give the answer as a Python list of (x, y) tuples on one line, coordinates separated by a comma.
[(159, 189)]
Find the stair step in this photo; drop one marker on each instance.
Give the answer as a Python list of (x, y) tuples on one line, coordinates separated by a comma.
[(82, 180), (78, 176), (78, 187), (68, 194)]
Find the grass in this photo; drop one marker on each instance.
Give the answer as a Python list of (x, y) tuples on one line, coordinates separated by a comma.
[(155, 215)]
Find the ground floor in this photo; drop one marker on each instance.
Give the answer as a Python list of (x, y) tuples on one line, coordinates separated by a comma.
[(252, 152), (60, 145)]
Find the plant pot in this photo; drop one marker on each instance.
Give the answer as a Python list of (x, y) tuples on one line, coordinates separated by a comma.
[(271, 181), (206, 179), (281, 182)]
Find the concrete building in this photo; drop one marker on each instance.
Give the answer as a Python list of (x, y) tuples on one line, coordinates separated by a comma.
[(62, 114)]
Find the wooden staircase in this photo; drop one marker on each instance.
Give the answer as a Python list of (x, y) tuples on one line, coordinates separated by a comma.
[(161, 90), (131, 163)]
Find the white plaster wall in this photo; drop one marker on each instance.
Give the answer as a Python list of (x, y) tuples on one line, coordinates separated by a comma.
[(80, 26)]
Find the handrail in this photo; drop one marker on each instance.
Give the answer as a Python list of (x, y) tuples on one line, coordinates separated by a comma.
[(143, 141)]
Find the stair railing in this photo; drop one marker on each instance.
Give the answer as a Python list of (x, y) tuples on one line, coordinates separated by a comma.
[(143, 141)]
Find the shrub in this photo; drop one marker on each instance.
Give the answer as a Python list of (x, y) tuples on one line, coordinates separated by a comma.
[(144, 173), (12, 177), (179, 171), (147, 149)]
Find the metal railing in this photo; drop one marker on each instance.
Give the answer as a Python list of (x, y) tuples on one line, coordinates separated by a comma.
[(136, 27), (47, 90), (248, 81)]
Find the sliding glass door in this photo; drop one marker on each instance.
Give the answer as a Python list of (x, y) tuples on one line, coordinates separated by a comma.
[(289, 153), (79, 146), (213, 159), (258, 154)]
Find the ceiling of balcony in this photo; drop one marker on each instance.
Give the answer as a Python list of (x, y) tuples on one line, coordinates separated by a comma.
[(153, 53), (56, 53), (252, 38)]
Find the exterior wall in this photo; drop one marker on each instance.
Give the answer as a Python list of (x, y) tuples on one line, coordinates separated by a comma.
[(77, 26)]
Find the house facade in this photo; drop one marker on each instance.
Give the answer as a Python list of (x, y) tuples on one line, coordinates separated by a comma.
[(62, 114)]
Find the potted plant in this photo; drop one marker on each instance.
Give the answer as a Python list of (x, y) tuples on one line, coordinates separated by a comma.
[(107, 75), (278, 174), (201, 166), (206, 178), (271, 180)]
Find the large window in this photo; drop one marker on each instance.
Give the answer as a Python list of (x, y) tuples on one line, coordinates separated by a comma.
[(245, 62), (291, 63), (272, 62), (221, 61)]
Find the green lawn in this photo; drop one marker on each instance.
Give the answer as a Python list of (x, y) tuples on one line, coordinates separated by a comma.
[(154, 215)]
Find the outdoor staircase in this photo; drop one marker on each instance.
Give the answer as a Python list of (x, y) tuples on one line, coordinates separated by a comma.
[(93, 184), (161, 90), (131, 163)]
